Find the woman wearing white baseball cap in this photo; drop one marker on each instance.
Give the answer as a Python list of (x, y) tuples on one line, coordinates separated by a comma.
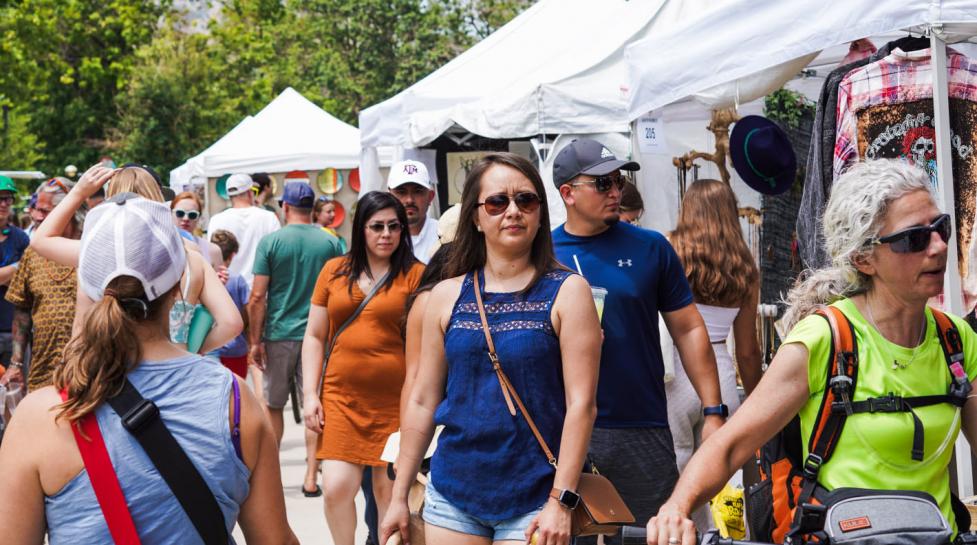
[(67, 442)]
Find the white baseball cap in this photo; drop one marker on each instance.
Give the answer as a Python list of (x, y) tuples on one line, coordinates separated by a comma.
[(237, 184), (409, 172), (129, 235)]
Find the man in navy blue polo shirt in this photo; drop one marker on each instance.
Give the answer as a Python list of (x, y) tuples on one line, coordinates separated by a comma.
[(13, 242), (631, 444)]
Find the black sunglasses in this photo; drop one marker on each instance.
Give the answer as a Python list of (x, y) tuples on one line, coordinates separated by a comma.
[(189, 214), (497, 204), (604, 183), (379, 227), (917, 239)]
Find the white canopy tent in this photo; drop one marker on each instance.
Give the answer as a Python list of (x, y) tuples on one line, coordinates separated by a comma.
[(556, 69), (290, 133), (747, 48)]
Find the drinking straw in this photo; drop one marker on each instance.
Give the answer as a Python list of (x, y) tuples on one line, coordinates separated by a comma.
[(575, 260)]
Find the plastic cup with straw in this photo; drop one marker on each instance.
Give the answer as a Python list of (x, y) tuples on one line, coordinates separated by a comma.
[(599, 294)]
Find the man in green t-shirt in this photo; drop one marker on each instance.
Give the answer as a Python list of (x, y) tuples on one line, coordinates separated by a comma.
[(286, 266)]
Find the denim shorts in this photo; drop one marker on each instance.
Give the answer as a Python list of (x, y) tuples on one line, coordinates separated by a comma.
[(439, 512)]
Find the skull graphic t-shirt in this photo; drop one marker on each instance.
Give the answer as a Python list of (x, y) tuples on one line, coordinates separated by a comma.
[(885, 110)]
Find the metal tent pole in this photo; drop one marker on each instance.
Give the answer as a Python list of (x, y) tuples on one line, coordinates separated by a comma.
[(952, 289)]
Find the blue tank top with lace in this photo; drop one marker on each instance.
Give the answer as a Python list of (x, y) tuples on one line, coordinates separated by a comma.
[(488, 463)]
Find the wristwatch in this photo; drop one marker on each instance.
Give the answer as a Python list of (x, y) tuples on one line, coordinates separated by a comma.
[(567, 498), (720, 410)]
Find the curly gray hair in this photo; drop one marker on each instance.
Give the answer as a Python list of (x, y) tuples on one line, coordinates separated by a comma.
[(854, 215)]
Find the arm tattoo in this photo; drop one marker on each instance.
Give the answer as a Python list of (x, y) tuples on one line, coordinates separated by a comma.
[(20, 330)]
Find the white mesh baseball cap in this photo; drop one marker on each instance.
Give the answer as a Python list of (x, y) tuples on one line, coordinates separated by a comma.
[(129, 235)]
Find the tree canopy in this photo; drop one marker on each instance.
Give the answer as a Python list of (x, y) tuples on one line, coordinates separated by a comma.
[(156, 82)]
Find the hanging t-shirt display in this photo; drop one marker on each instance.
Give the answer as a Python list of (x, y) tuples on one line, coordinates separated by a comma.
[(885, 110)]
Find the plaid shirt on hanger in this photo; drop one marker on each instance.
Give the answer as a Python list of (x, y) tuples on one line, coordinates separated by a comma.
[(898, 78)]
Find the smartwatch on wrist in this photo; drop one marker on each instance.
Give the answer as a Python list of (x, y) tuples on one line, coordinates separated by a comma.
[(718, 410), (567, 498)]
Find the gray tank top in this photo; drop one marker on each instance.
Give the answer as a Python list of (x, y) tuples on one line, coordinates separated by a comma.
[(192, 394)]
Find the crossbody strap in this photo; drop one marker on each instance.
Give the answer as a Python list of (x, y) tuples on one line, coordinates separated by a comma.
[(140, 417), (508, 391), (332, 342), (105, 483)]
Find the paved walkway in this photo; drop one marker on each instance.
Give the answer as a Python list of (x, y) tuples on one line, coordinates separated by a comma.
[(305, 515)]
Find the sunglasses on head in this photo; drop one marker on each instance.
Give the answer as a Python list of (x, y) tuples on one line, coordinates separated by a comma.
[(497, 204), (917, 239), (189, 214), (54, 182), (379, 227), (603, 184)]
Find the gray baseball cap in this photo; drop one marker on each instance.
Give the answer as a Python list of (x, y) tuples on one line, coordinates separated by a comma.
[(586, 156)]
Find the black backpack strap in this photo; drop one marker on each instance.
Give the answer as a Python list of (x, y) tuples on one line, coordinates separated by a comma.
[(140, 417)]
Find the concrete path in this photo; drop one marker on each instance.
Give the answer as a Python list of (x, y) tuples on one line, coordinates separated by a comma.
[(305, 515)]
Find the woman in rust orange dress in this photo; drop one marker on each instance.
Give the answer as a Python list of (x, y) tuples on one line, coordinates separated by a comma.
[(359, 404)]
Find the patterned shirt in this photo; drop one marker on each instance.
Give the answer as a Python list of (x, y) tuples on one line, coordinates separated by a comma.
[(48, 291), (896, 79)]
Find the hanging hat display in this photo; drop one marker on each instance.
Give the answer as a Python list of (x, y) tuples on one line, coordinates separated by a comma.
[(762, 155)]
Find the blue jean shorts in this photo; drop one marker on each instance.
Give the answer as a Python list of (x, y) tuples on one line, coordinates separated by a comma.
[(439, 512)]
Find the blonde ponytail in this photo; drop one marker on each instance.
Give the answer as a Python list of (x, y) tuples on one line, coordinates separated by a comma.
[(97, 359)]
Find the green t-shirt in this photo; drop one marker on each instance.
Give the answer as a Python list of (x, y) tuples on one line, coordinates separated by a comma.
[(292, 257), (874, 450)]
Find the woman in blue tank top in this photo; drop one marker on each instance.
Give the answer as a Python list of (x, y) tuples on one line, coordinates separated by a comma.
[(490, 480), (133, 280)]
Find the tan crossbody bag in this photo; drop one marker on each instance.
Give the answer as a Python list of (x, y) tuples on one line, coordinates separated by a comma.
[(601, 509)]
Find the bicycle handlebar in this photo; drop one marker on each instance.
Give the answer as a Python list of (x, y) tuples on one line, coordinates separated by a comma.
[(634, 535)]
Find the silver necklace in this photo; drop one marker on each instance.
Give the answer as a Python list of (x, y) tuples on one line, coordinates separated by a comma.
[(919, 342)]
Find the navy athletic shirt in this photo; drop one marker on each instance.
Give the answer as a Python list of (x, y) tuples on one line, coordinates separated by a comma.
[(643, 276)]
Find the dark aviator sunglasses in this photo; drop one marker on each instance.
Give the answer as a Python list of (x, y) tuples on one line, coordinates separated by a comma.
[(917, 239), (379, 227), (497, 204), (603, 184)]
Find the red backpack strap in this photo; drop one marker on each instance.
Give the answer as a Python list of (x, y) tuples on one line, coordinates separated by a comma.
[(104, 481), (835, 407)]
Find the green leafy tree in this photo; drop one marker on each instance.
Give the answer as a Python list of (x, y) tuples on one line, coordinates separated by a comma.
[(19, 147), (63, 63), (176, 102)]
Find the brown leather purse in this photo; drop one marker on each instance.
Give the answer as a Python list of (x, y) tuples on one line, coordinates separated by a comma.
[(601, 509)]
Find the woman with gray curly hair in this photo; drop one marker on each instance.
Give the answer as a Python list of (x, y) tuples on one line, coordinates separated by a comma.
[(888, 244)]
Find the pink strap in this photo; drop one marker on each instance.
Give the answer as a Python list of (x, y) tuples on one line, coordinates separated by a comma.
[(104, 481)]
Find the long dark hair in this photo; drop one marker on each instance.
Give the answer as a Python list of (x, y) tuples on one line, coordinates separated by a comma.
[(356, 263), (468, 250)]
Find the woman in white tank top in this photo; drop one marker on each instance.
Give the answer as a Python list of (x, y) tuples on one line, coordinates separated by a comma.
[(725, 284)]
